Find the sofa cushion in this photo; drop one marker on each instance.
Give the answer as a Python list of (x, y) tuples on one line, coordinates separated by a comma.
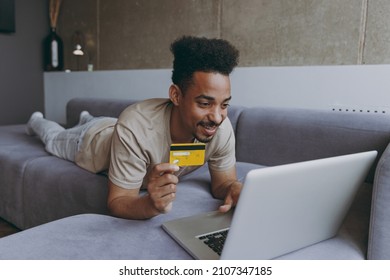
[(234, 113), (96, 107), (279, 136), (17, 151), (92, 236), (379, 245), (62, 190)]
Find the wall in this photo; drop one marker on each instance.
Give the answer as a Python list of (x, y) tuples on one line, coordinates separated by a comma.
[(135, 34), (302, 53), (130, 34), (21, 74), (359, 88)]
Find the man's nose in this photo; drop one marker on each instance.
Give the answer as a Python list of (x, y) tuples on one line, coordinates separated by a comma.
[(216, 115)]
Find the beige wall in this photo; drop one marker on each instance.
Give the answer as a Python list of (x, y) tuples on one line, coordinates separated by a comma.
[(136, 34)]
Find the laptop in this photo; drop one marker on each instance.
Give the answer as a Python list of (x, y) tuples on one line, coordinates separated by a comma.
[(281, 209)]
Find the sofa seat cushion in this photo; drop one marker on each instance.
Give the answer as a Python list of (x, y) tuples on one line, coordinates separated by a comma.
[(58, 188), (17, 151), (95, 236)]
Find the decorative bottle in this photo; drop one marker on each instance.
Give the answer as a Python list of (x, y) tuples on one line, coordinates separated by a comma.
[(53, 52)]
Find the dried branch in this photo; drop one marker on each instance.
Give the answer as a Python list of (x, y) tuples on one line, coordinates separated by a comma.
[(54, 10)]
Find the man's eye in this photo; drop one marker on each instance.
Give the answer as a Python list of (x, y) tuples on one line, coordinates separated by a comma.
[(204, 104), (224, 106)]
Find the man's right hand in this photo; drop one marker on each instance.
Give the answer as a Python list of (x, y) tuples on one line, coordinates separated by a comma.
[(161, 186)]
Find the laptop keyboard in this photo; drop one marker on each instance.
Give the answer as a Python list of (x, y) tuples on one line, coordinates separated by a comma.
[(215, 240)]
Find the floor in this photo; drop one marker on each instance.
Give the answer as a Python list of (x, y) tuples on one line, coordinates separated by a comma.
[(6, 228)]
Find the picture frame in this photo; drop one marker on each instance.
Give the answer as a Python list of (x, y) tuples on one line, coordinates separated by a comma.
[(7, 16)]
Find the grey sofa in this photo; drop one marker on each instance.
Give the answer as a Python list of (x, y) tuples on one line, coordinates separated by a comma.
[(62, 208)]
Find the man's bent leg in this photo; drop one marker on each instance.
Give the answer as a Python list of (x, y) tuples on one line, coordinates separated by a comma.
[(66, 143), (43, 128), (85, 117), (61, 142)]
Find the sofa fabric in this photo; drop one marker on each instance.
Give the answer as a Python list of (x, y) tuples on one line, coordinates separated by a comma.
[(17, 152), (94, 236), (379, 243), (42, 194), (279, 136), (96, 107)]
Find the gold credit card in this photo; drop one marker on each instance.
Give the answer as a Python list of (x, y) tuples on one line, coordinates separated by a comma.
[(189, 154)]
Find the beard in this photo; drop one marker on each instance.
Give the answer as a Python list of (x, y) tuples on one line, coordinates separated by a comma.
[(206, 126), (203, 139)]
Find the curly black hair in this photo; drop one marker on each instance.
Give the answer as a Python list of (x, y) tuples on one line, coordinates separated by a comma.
[(193, 54)]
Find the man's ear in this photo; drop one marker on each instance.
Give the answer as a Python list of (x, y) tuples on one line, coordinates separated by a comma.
[(174, 94)]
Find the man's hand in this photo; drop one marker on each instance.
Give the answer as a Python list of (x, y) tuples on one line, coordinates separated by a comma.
[(162, 186), (128, 204), (224, 185), (231, 197)]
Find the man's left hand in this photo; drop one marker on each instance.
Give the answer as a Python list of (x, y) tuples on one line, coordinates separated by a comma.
[(231, 197)]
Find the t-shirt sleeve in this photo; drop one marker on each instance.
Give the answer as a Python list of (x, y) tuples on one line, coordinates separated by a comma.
[(127, 160)]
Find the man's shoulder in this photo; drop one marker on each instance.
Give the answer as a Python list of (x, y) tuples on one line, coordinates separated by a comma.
[(145, 116), (149, 103), (147, 106), (226, 127)]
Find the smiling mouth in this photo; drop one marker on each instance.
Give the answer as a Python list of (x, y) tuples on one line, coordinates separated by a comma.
[(209, 128)]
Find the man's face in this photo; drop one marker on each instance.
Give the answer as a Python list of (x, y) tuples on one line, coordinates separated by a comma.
[(203, 107)]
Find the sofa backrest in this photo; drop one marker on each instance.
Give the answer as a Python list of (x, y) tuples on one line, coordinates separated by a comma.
[(108, 107), (271, 136)]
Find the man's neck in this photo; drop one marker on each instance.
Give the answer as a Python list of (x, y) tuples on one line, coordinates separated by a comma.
[(176, 131)]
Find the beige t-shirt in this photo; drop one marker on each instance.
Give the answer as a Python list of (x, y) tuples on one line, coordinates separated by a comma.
[(94, 152), (141, 139)]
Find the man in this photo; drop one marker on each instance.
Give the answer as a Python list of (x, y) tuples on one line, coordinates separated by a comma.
[(196, 111)]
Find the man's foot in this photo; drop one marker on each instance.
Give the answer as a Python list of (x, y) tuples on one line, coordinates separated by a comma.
[(29, 129), (85, 117)]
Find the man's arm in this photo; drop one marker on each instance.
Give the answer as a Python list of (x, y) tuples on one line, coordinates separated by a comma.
[(224, 185), (128, 204)]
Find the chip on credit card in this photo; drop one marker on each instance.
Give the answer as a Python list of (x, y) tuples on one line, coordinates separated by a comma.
[(189, 154)]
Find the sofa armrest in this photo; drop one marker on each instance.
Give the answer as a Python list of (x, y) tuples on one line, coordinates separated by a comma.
[(379, 235)]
